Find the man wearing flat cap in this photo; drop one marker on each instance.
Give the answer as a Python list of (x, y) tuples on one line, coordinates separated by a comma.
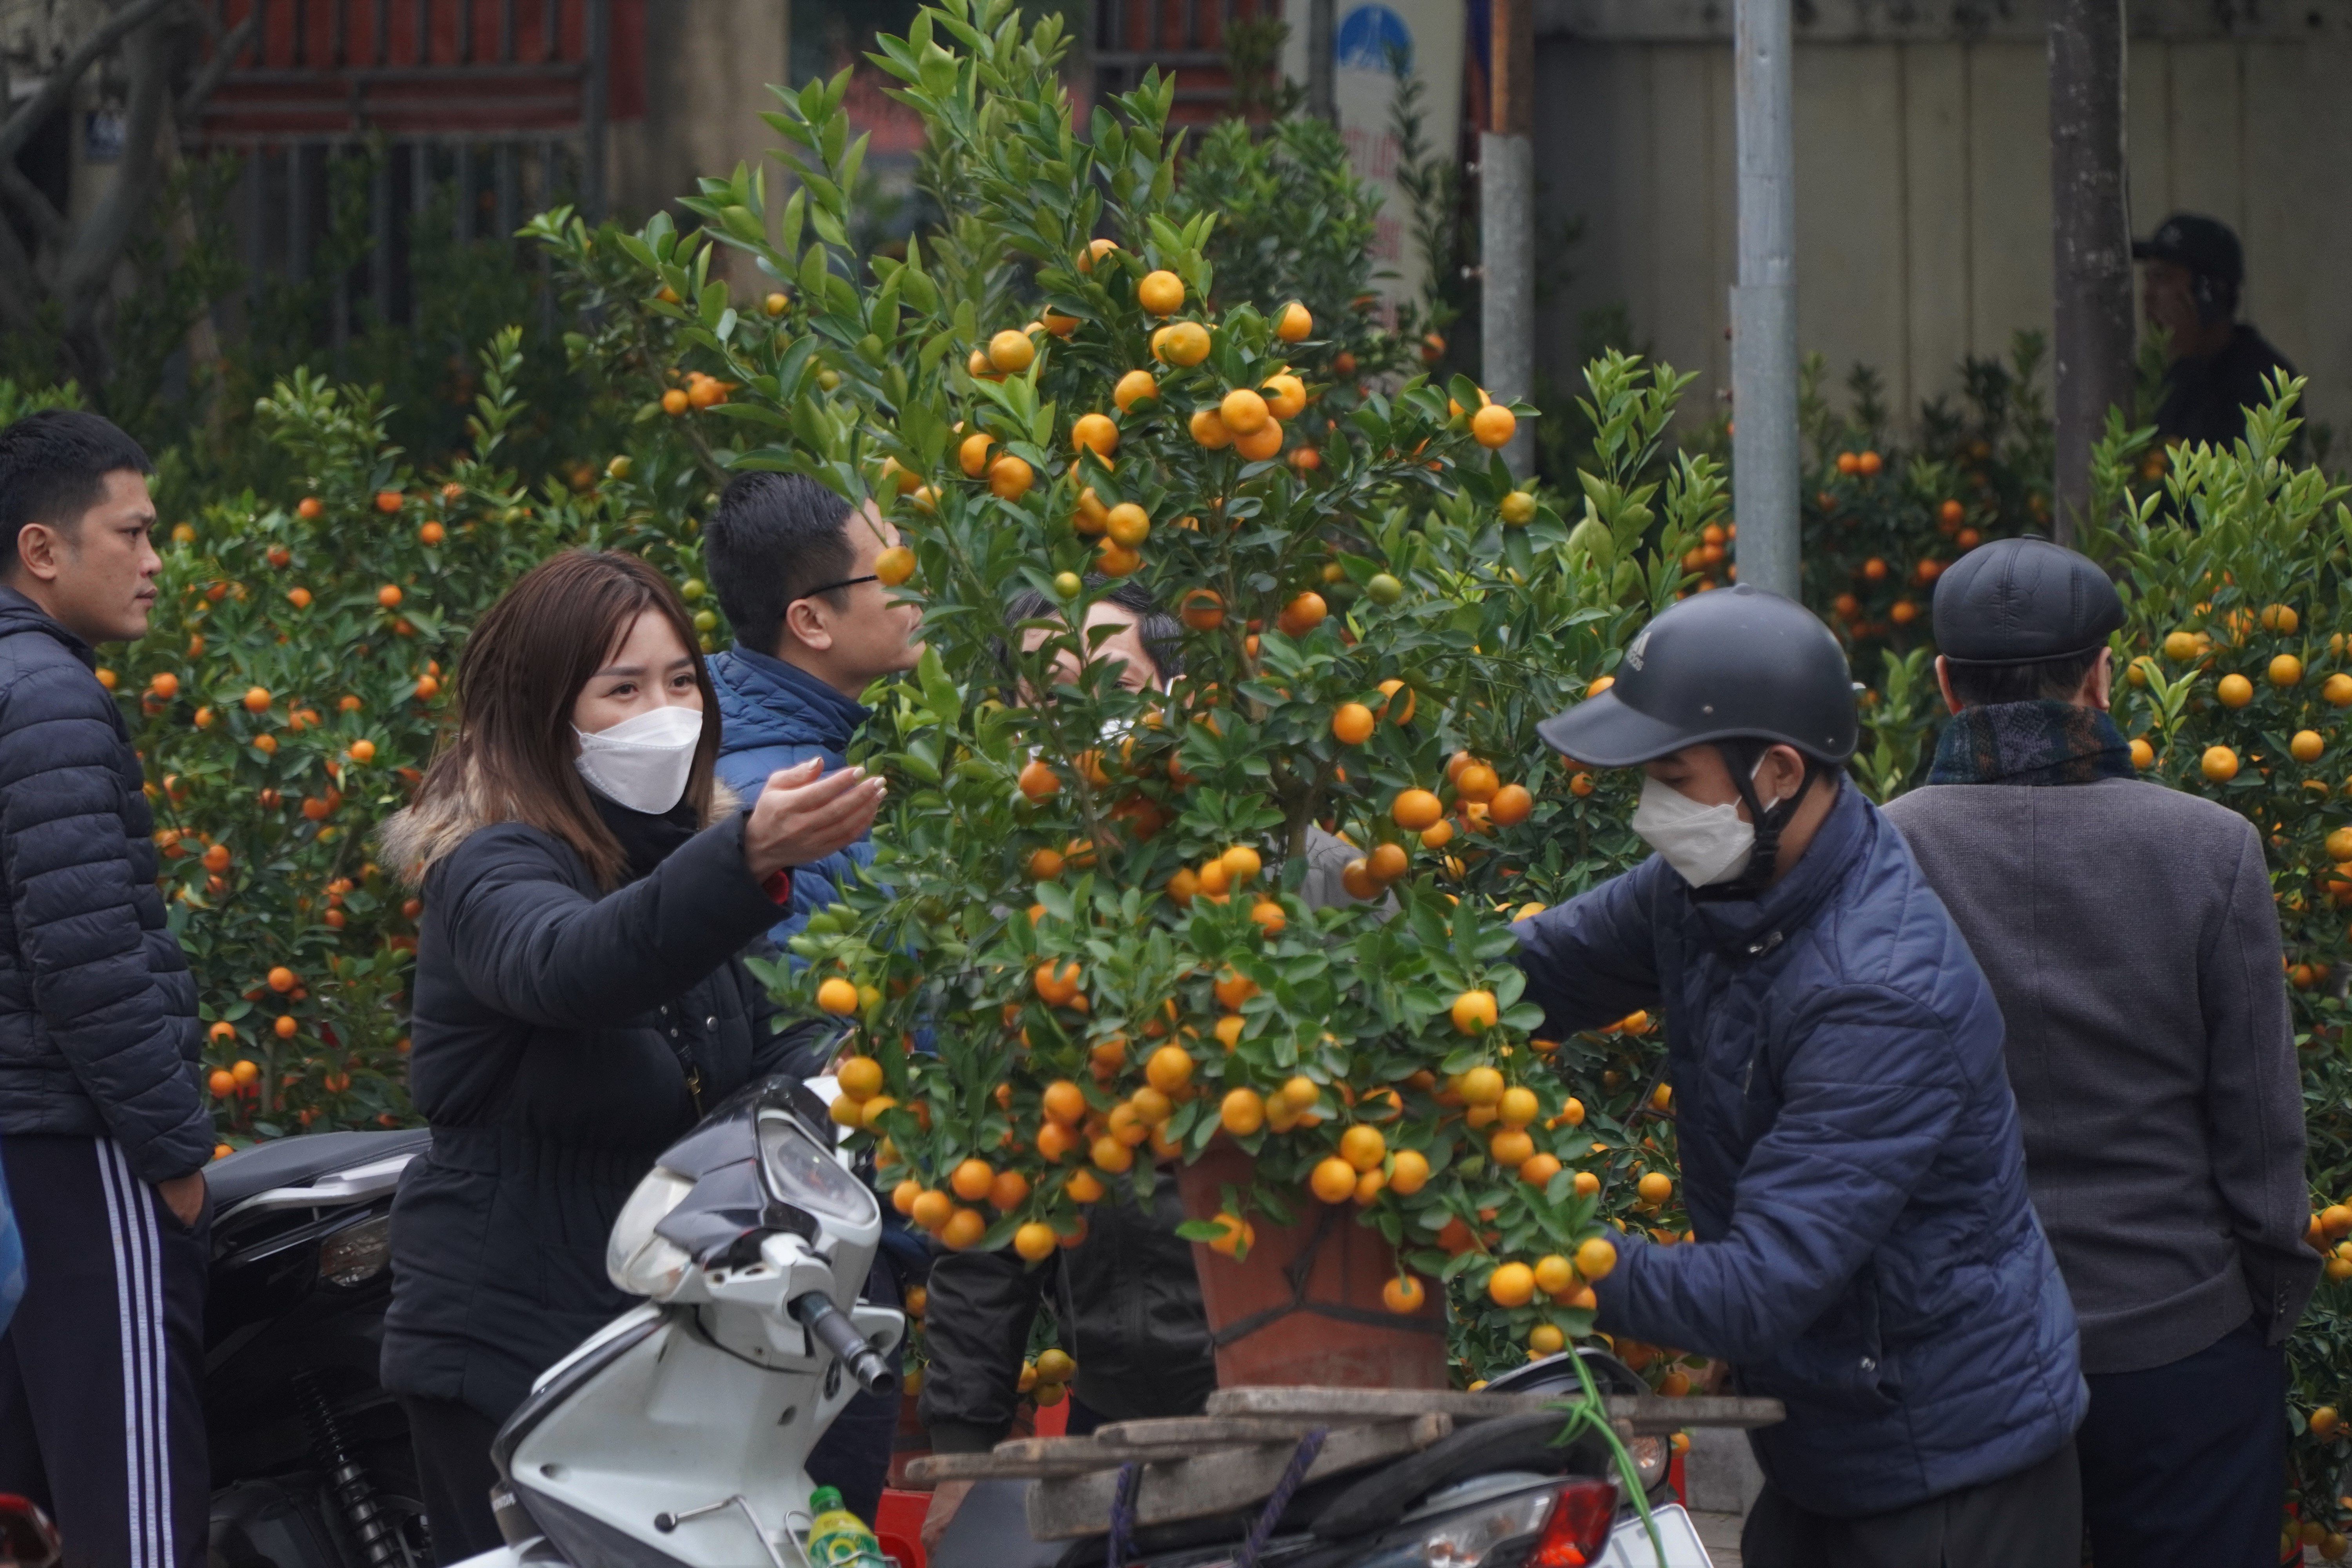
[(2192, 273), (2128, 934)]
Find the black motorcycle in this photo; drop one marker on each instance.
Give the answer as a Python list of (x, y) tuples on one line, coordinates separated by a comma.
[(310, 1457)]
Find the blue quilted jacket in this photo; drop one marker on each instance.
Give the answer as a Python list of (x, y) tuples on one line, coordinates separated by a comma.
[(773, 716), (1851, 1161)]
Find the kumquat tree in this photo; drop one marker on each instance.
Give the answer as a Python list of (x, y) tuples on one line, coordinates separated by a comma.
[(287, 695), (1240, 920), (2237, 683), (1087, 943), (1248, 917)]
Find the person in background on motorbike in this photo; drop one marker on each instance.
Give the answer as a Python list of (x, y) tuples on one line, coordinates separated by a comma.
[(2153, 1057), (104, 1131), (579, 998), (1126, 1299), (1851, 1159), (793, 565)]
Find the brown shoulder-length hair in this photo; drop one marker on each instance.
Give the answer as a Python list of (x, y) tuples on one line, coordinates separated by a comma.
[(510, 756)]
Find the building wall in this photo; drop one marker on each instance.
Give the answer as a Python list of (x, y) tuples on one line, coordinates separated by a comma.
[(1923, 197)]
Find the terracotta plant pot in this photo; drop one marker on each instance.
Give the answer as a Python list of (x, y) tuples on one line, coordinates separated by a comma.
[(1304, 1306)]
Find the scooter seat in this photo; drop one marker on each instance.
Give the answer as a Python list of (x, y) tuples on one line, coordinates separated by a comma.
[(297, 1162)]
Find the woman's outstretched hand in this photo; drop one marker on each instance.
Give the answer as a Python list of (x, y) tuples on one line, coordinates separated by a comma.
[(805, 814)]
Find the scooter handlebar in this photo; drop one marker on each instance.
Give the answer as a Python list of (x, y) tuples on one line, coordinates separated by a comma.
[(836, 1332)]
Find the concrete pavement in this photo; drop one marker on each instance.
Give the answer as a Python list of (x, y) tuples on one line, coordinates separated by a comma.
[(1720, 1533)]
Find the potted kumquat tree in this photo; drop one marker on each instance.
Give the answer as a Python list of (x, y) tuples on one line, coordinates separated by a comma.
[(1095, 951)]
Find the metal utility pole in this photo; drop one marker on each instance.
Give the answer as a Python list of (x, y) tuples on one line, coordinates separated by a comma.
[(1320, 46), (2090, 231), (1764, 303), (1507, 200)]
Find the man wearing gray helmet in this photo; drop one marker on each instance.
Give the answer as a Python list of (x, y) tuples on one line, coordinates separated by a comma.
[(2128, 934), (1849, 1152)]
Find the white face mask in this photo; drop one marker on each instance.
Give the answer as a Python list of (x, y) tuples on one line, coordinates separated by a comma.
[(642, 763), (1706, 844)]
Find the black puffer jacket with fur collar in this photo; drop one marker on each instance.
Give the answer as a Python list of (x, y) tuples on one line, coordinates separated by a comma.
[(564, 1035)]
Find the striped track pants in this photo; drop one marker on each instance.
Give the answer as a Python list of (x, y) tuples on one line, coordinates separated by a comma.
[(101, 1419)]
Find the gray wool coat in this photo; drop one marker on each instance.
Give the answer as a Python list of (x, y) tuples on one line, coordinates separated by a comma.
[(2131, 941)]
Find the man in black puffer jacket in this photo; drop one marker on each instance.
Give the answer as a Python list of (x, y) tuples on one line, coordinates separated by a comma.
[(103, 1130)]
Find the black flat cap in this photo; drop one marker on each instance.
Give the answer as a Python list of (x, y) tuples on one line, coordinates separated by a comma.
[(2020, 601)]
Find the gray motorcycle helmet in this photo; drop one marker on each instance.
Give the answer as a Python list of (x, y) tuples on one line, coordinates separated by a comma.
[(1736, 664)]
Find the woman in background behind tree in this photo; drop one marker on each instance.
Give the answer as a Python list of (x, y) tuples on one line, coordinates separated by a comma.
[(1126, 1301)]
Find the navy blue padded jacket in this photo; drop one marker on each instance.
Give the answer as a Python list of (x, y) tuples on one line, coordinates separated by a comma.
[(774, 715), (98, 1034), (1851, 1161)]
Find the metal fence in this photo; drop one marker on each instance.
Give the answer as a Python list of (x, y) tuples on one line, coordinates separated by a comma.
[(480, 111), (1185, 38)]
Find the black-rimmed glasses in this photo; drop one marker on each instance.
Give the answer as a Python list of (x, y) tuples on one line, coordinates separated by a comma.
[(829, 587)]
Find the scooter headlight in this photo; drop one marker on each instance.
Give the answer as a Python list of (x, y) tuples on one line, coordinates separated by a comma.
[(809, 1177), (636, 1259)]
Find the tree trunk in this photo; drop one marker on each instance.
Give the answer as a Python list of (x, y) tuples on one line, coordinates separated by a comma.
[(2090, 239), (86, 273)]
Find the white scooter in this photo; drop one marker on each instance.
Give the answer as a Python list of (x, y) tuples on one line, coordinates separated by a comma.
[(679, 1433), (678, 1436)]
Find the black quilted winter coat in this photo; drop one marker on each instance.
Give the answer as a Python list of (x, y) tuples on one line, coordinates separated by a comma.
[(98, 1035), (563, 1037)]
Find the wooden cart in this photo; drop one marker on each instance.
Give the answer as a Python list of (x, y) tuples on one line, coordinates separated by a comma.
[(1196, 1466)]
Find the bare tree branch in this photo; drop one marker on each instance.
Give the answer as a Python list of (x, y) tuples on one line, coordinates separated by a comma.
[(20, 286), (87, 269), (32, 203), (86, 274), (65, 297), (210, 21), (225, 52), (20, 126)]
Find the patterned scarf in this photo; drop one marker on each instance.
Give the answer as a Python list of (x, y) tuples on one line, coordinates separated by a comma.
[(2031, 743)]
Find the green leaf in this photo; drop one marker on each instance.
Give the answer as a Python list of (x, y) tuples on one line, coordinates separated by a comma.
[(1591, 539), (939, 71)]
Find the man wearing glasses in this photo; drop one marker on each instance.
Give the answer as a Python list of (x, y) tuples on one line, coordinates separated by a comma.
[(793, 565), (793, 569)]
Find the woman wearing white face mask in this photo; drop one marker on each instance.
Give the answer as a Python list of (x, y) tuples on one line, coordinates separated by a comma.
[(579, 998), (1850, 1154)]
